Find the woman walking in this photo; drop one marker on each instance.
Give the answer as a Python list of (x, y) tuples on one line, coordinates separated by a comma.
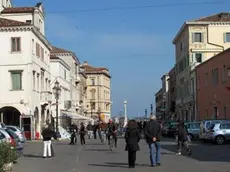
[(82, 134), (132, 138)]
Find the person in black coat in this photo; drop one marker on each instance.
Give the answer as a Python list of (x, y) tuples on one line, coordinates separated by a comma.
[(182, 138), (82, 134), (132, 138)]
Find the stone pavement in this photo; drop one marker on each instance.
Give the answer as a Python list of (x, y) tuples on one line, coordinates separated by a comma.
[(96, 157)]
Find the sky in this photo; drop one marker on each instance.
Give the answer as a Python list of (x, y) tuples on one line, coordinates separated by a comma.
[(135, 44)]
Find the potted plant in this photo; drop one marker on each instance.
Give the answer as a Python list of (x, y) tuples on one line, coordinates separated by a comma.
[(8, 155)]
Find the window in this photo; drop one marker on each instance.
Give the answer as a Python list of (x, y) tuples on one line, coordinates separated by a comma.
[(34, 80), (92, 81), (38, 83), (42, 80), (215, 76), (224, 74), (93, 94), (33, 46), (206, 78), (181, 46), (197, 37), (16, 44), (198, 57), (228, 72), (225, 113), (42, 54), (16, 77), (37, 50), (28, 21), (227, 37), (46, 82)]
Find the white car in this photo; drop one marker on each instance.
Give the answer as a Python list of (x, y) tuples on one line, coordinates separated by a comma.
[(17, 131), (2, 125)]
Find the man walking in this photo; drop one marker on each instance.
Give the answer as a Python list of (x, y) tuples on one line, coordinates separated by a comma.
[(152, 135)]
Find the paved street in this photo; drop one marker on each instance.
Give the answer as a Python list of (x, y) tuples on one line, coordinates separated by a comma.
[(96, 157)]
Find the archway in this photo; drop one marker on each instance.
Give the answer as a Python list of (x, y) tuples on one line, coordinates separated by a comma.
[(10, 115)]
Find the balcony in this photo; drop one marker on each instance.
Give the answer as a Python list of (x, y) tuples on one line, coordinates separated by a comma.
[(46, 96)]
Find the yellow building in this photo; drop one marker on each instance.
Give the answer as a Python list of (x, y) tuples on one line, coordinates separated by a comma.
[(98, 91), (197, 41)]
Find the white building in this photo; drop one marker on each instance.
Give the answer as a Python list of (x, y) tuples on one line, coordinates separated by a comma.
[(165, 93), (5, 4), (71, 104), (24, 69)]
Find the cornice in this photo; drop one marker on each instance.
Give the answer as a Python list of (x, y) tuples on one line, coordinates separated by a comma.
[(16, 29)]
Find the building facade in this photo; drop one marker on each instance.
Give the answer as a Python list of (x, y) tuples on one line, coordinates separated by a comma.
[(83, 93), (172, 94), (61, 72), (98, 92), (159, 103), (165, 92), (213, 87), (196, 42), (5, 4), (25, 69)]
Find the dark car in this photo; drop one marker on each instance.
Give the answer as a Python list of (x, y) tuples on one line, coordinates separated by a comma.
[(171, 130)]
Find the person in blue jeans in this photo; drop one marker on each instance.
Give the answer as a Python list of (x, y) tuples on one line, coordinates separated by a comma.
[(152, 136)]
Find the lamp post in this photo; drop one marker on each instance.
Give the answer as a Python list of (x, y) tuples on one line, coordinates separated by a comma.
[(146, 113), (57, 93)]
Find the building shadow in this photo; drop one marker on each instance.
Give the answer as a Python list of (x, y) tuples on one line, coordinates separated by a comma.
[(204, 152), (108, 165)]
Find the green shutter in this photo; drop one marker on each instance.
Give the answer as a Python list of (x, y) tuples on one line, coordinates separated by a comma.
[(225, 39), (193, 37), (16, 81)]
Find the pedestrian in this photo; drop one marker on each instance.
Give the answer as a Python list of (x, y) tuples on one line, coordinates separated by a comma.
[(182, 138), (132, 138), (72, 137), (95, 130), (152, 135), (82, 134), (47, 135), (90, 130)]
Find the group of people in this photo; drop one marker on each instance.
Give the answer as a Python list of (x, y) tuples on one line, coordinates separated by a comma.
[(152, 134)]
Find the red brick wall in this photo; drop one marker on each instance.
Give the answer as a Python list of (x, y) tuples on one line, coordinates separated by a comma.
[(210, 95)]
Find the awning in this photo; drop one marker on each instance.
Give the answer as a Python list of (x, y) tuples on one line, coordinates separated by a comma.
[(75, 116)]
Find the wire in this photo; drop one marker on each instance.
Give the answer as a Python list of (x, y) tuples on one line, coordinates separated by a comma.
[(139, 7)]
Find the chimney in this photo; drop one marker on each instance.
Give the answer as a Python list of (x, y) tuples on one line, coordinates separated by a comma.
[(85, 63)]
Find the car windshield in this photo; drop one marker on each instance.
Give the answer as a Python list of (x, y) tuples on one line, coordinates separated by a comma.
[(211, 126)]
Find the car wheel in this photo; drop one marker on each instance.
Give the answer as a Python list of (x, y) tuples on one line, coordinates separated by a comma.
[(220, 140)]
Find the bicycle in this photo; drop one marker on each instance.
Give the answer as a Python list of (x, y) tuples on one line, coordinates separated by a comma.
[(103, 137), (112, 143)]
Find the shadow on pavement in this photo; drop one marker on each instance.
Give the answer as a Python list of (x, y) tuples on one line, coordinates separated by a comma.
[(126, 164), (108, 165), (98, 150), (200, 152), (32, 156)]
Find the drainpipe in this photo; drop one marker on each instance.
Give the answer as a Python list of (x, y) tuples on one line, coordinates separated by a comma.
[(213, 43)]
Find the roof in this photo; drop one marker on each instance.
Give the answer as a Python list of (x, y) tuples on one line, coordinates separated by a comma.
[(21, 9), (18, 10), (212, 58), (56, 50), (220, 17), (96, 70), (12, 23), (159, 92)]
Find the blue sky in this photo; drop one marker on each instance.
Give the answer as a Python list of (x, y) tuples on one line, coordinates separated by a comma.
[(134, 44)]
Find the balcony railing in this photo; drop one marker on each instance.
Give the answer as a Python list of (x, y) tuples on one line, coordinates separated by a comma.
[(46, 96)]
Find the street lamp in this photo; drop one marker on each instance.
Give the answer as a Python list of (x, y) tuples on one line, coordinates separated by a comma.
[(151, 107), (57, 93), (146, 113)]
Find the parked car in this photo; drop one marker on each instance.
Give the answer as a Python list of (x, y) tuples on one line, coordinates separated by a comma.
[(205, 125), (165, 127), (2, 125), (17, 131), (193, 129), (9, 136), (171, 130), (219, 133)]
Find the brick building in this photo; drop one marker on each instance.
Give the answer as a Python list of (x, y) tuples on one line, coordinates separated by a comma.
[(213, 78)]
